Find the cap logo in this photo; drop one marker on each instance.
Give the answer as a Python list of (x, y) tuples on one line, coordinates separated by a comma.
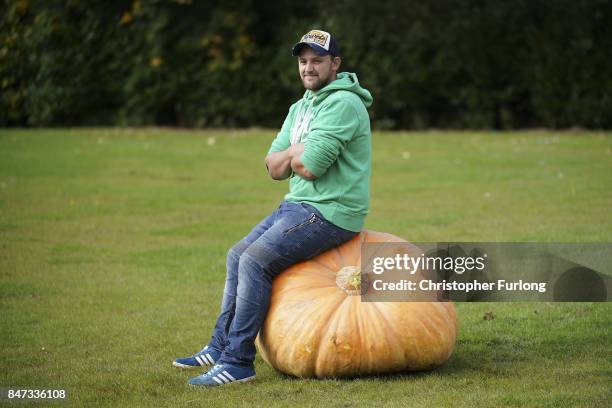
[(321, 38)]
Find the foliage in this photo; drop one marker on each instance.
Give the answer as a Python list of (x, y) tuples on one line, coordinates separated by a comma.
[(441, 63)]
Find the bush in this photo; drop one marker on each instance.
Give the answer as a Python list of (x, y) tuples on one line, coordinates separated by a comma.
[(443, 63)]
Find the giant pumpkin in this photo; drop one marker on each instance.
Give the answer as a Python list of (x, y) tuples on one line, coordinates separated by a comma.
[(317, 325)]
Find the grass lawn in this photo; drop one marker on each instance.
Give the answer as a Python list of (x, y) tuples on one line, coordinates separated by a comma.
[(112, 257)]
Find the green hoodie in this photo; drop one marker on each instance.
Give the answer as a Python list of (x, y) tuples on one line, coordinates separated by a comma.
[(334, 126)]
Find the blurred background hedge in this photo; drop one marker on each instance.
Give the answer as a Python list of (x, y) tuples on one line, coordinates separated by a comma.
[(439, 63)]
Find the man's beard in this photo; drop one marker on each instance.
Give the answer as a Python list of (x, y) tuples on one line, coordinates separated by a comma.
[(315, 86)]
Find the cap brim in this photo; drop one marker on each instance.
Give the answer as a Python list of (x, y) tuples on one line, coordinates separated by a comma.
[(297, 48)]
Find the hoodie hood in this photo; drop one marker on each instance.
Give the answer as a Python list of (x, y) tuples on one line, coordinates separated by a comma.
[(345, 81), (308, 107)]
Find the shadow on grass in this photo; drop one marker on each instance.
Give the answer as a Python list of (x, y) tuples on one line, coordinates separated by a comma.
[(488, 356), (387, 377)]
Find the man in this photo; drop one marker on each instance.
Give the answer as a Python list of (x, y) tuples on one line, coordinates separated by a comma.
[(324, 147)]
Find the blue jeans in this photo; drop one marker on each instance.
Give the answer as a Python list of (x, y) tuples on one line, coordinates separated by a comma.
[(294, 232)]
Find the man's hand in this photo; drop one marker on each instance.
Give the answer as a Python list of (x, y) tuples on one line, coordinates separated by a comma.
[(297, 165), (296, 150)]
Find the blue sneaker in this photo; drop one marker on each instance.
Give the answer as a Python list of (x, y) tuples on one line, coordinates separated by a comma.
[(222, 374), (205, 357)]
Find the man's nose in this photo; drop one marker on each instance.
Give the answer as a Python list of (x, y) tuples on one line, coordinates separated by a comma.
[(309, 67)]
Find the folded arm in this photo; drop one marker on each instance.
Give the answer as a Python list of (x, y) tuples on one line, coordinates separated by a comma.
[(336, 125), (281, 164)]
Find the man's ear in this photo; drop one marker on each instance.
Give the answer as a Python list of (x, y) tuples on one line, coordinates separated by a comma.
[(336, 61)]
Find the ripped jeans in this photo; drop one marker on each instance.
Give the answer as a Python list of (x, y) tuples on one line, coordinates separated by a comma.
[(293, 233)]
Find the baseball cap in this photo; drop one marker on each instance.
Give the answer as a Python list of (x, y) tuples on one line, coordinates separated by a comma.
[(320, 41)]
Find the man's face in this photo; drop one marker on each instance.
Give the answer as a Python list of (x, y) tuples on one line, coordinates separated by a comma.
[(317, 71)]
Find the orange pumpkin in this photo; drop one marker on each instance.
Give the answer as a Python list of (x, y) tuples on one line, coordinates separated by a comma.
[(317, 325)]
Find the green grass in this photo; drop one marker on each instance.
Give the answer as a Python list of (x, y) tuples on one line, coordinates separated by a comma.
[(113, 242)]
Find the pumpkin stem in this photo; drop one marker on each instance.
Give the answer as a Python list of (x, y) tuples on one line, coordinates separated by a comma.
[(349, 280)]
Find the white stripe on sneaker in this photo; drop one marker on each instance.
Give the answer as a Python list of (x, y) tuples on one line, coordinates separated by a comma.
[(210, 359), (225, 380), (199, 360), (203, 358), (217, 380), (228, 375)]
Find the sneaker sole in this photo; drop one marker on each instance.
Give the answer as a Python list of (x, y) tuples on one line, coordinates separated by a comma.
[(242, 381), (188, 367), (219, 385)]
